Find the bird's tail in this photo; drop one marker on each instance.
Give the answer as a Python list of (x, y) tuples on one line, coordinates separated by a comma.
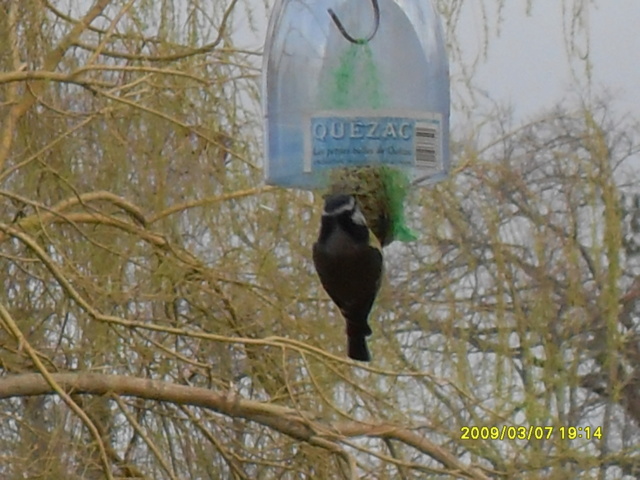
[(357, 348)]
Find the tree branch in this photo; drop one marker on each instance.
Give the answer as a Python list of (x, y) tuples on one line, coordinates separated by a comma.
[(50, 63), (48, 379), (288, 421)]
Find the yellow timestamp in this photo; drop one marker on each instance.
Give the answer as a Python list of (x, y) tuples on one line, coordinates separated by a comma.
[(532, 432)]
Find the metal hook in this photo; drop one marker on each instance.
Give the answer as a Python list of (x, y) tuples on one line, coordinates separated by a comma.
[(358, 41)]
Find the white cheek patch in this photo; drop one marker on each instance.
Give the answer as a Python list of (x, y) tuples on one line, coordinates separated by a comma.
[(358, 218), (347, 207)]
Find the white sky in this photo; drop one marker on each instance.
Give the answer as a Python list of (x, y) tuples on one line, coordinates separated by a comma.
[(528, 67)]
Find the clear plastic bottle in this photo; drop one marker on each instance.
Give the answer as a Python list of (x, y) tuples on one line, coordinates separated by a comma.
[(354, 83)]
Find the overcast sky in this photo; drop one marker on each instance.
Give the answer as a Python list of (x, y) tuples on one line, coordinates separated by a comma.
[(528, 67)]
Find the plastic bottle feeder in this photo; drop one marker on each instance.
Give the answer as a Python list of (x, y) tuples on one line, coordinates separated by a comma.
[(356, 100)]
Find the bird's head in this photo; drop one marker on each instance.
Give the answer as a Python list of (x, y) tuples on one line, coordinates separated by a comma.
[(342, 212)]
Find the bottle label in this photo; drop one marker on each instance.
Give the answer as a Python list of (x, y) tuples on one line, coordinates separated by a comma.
[(346, 138)]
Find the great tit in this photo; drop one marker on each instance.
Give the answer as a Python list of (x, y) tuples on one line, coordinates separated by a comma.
[(348, 259)]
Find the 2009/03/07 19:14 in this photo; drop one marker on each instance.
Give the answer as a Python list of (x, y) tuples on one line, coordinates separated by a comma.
[(532, 432)]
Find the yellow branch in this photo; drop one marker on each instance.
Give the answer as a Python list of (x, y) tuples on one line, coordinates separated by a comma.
[(282, 419), (52, 384), (31, 94)]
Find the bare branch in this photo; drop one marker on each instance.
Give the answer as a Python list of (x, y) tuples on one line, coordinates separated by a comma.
[(52, 384), (50, 63), (282, 419)]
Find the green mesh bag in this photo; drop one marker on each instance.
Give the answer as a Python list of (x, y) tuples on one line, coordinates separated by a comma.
[(380, 192)]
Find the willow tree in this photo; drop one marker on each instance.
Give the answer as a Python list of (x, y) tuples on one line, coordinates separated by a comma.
[(160, 318)]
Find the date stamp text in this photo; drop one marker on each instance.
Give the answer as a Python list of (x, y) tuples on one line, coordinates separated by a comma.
[(531, 432)]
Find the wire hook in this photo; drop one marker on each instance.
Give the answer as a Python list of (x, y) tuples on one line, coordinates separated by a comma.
[(358, 41)]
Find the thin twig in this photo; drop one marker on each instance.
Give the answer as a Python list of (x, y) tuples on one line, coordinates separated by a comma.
[(53, 384)]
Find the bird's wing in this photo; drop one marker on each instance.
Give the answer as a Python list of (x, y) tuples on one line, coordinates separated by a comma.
[(352, 282)]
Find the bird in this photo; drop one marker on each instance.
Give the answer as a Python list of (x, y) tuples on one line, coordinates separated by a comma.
[(348, 259)]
